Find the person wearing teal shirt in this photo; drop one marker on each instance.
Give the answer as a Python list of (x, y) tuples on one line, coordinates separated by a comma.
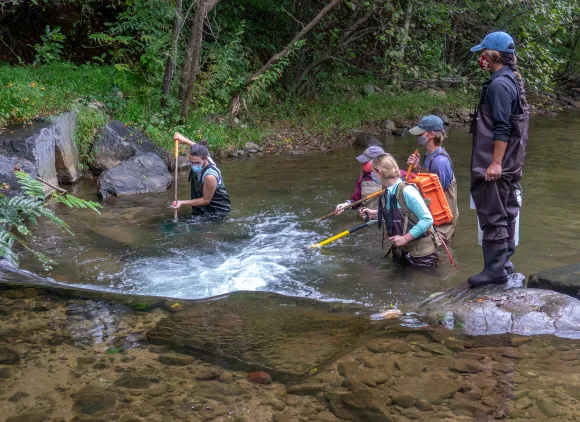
[(404, 214)]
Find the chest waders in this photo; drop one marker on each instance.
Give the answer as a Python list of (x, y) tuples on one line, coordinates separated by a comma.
[(448, 230), (220, 202), (420, 252), (368, 187), (496, 202)]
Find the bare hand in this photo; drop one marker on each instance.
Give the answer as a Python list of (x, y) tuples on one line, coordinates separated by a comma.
[(180, 138), (176, 205), (493, 172), (341, 207), (414, 160), (364, 212), (398, 240)]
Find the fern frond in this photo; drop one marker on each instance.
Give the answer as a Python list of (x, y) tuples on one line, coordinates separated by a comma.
[(31, 187)]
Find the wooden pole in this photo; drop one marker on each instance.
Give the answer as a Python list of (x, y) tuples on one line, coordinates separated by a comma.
[(176, 165), (411, 166), (354, 204)]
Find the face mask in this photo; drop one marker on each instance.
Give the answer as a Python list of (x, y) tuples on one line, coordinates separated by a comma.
[(422, 140), (483, 62), (197, 167), (368, 167), (375, 178)]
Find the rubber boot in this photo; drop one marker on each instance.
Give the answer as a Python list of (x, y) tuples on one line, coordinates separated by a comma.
[(509, 266), (494, 259)]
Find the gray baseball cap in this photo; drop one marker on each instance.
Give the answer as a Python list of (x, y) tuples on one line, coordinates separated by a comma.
[(370, 153)]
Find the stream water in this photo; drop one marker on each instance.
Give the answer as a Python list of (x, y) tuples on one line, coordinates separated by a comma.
[(133, 246)]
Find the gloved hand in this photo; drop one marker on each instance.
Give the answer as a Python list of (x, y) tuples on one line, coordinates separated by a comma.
[(341, 207)]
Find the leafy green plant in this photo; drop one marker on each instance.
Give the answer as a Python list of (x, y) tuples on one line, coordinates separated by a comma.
[(51, 48), (20, 214)]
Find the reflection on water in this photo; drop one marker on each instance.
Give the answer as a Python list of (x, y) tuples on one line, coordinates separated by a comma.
[(263, 244)]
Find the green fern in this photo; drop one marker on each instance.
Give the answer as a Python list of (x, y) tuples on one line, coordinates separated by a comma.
[(22, 212)]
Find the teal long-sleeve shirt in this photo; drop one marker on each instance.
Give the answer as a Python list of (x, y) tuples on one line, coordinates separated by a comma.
[(416, 204)]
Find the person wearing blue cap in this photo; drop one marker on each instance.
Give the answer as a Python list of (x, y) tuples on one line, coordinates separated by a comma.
[(365, 185), (430, 133), (500, 136)]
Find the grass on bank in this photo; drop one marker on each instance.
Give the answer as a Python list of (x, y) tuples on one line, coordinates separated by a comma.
[(28, 92)]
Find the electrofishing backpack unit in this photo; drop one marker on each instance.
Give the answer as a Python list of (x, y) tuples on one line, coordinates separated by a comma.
[(434, 196)]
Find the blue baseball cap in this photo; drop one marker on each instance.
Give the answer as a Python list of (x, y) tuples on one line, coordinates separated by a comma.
[(499, 41), (370, 153), (427, 123)]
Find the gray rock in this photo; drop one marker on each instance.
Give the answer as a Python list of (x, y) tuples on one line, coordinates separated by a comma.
[(464, 114), (423, 405), (141, 174), (445, 118), (67, 160), (183, 163), (8, 356), (175, 360), (467, 366), (93, 400), (368, 89), (410, 367), (387, 126), (138, 382), (7, 173), (517, 311), (363, 405), (36, 144), (251, 148), (561, 279), (366, 139), (400, 132), (347, 369), (118, 143), (306, 389), (404, 400)]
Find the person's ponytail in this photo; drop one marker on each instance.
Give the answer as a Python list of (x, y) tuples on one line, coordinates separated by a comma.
[(510, 60)]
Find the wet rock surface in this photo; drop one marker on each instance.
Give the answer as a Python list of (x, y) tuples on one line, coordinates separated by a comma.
[(7, 165), (36, 144), (144, 173), (562, 279), (65, 363), (119, 143), (67, 160)]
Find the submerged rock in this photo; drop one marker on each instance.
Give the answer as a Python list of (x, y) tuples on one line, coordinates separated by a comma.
[(91, 400), (119, 143), (285, 336), (562, 279), (141, 174)]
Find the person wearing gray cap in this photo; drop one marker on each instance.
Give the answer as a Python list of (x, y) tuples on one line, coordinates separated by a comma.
[(500, 136), (365, 185), (430, 133)]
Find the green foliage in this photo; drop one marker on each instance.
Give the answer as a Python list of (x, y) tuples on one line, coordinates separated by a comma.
[(90, 120), (51, 48), (21, 213)]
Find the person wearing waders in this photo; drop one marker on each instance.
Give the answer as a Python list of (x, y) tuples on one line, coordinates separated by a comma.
[(430, 133), (500, 135), (405, 214), (365, 185), (208, 191)]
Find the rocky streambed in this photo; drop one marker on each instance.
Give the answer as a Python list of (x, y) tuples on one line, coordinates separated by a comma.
[(73, 355)]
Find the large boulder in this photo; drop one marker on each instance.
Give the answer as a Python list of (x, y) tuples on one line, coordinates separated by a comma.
[(143, 173), (8, 182), (36, 144), (67, 160), (562, 279), (517, 311), (119, 143)]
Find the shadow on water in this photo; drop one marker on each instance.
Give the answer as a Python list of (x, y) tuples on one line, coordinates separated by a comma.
[(262, 245)]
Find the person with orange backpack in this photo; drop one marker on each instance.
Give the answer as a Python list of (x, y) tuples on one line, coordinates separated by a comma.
[(430, 133)]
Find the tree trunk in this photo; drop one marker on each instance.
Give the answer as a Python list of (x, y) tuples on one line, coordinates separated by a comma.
[(236, 100), (170, 65), (450, 59), (403, 44), (191, 62)]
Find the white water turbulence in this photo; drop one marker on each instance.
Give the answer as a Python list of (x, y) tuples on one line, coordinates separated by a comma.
[(264, 261)]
